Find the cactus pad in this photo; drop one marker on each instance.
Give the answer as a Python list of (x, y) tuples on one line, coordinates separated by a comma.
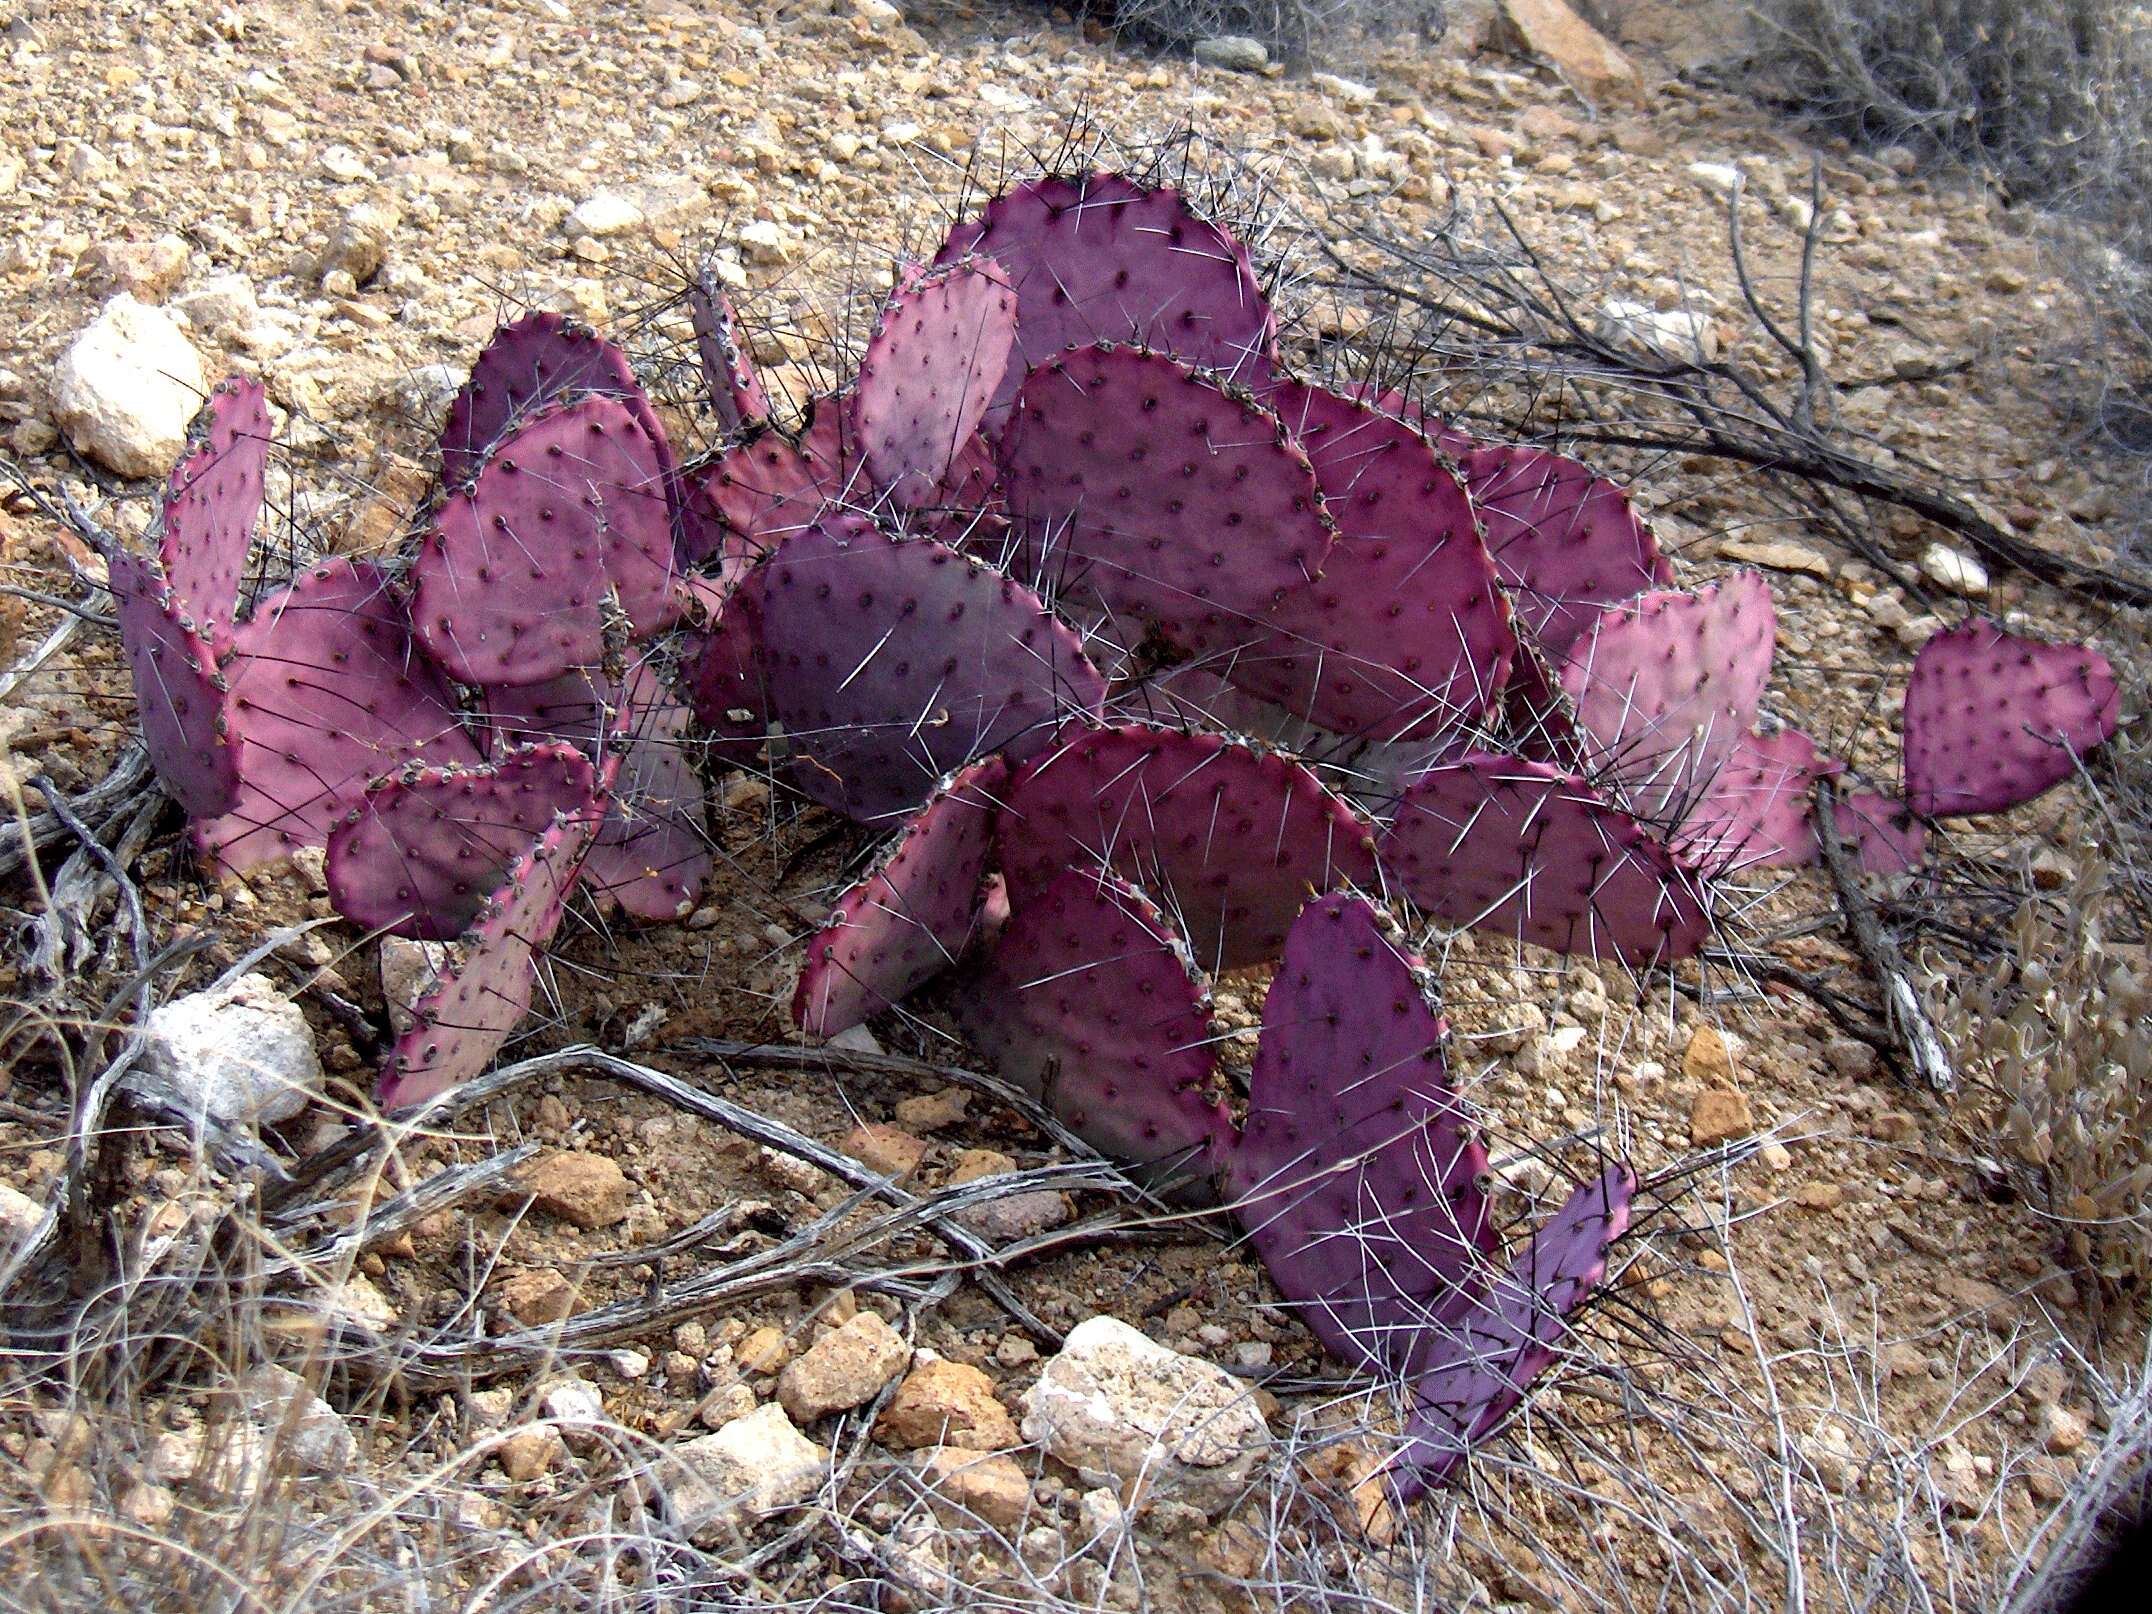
[(1565, 540), (426, 848), (1883, 832), (1090, 1002), (1230, 839), (753, 496), (1487, 1353), (1357, 1174), (894, 661), (652, 853), (1098, 258), (511, 584), (935, 359), (911, 918), (1406, 633), (1992, 719), (537, 362), (1156, 493), (463, 1020), (1756, 813), (329, 691), (1522, 849), (1666, 686), (736, 393), (179, 698), (728, 687), (211, 504)]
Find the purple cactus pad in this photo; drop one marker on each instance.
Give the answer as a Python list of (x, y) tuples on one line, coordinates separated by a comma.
[(1099, 258), (1486, 1354), (752, 497), (1565, 541), (1146, 489), (537, 362), (179, 697), (1883, 832), (935, 359), (211, 505), (728, 686), (1407, 633), (462, 1022), (1992, 719), (912, 917), (1230, 839), (1757, 813), (1091, 1003), (651, 857), (426, 848), (1522, 849), (736, 392), (510, 587), (1357, 1174), (1666, 686), (892, 662), (329, 691)]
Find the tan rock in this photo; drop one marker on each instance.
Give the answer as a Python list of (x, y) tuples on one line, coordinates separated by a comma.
[(763, 1351), (528, 1453), (589, 1190), (1719, 1115), (753, 1466), (1709, 1059), (888, 1149), (928, 1112), (535, 1296), (944, 1403), (843, 1368), (1819, 1196), (985, 1485), (145, 269), (1017, 1215), (359, 243), (1585, 58), (2062, 1431)]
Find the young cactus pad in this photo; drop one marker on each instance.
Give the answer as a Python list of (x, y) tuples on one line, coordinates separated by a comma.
[(935, 360), (179, 697)]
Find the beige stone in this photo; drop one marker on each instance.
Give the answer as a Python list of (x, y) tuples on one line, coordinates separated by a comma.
[(1585, 58), (535, 1296), (763, 1351), (842, 1369), (1719, 1115), (888, 1149), (984, 1484), (589, 1190), (943, 1403), (1709, 1059)]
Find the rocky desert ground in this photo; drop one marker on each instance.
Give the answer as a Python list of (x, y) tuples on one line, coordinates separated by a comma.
[(594, 1347)]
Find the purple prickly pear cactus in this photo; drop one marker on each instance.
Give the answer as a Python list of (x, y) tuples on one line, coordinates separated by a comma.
[(753, 496), (892, 662), (728, 684), (651, 857), (1992, 718), (1159, 495), (735, 390), (1756, 813), (211, 504), (462, 1022), (1406, 634), (422, 853), (1666, 686), (1565, 540), (936, 357), (510, 587), (911, 918), (1357, 1174), (1090, 1002), (179, 696), (329, 691), (1099, 258), (537, 362), (1489, 1349), (1227, 838), (1523, 849)]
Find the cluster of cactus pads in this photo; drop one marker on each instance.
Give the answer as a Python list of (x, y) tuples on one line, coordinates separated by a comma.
[(1154, 657)]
